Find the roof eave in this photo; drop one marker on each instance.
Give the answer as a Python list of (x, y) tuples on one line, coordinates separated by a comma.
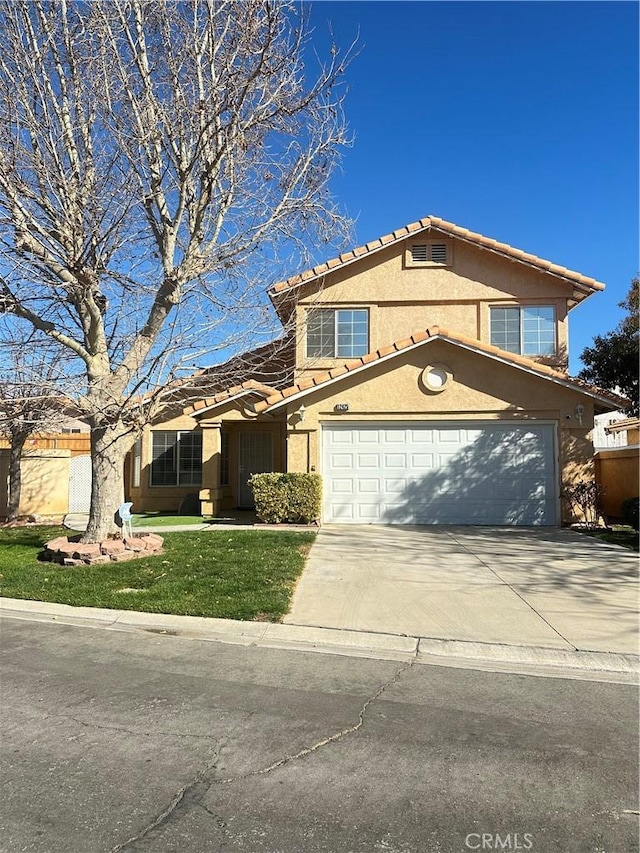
[(607, 403)]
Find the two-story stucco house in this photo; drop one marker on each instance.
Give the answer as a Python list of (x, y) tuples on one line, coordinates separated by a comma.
[(427, 383)]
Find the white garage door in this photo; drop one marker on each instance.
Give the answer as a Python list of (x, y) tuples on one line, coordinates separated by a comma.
[(443, 473)]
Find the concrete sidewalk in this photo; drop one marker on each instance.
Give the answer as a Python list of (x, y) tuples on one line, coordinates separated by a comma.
[(535, 587), (492, 657)]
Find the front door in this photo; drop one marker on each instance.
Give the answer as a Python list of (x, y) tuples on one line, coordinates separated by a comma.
[(255, 456)]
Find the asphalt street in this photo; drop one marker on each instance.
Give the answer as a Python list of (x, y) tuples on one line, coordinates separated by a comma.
[(145, 743)]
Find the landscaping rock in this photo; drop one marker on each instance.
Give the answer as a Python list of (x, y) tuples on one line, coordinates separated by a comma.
[(124, 555), (151, 542), (86, 551), (112, 546), (60, 550), (56, 544), (68, 550)]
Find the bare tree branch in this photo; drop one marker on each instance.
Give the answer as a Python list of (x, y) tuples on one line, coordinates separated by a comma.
[(160, 163)]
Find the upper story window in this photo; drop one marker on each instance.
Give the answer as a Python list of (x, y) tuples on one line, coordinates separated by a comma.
[(526, 330), (429, 253), (342, 333), (176, 458)]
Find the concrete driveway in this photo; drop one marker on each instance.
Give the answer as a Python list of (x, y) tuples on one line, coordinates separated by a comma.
[(542, 587)]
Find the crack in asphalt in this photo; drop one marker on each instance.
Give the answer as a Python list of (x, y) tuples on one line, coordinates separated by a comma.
[(193, 792), (108, 728), (189, 795), (325, 741)]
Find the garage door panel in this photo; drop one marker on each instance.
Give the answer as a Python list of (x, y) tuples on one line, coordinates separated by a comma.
[(422, 461), (369, 487), (394, 436), (421, 436), (394, 486), (342, 487), (395, 461), (477, 474), (368, 436)]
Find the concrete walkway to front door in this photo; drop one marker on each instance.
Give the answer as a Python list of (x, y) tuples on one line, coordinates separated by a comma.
[(542, 587)]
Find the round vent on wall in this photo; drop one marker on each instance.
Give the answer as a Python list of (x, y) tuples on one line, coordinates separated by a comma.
[(436, 377)]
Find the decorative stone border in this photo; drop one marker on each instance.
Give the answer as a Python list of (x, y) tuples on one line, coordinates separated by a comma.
[(67, 553)]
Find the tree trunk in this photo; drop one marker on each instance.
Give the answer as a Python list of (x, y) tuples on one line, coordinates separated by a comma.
[(15, 477), (109, 446)]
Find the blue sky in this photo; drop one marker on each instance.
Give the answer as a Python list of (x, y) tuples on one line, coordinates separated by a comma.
[(515, 119)]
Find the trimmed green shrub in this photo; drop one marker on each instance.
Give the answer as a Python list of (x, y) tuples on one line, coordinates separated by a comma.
[(630, 512), (294, 498)]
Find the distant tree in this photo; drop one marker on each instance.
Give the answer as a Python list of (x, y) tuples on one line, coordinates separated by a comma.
[(29, 404), (159, 163), (612, 361)]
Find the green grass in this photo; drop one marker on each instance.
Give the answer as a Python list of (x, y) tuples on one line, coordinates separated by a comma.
[(156, 519), (241, 574), (618, 534)]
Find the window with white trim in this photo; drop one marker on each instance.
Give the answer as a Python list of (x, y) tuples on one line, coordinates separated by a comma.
[(176, 458), (526, 330), (342, 333)]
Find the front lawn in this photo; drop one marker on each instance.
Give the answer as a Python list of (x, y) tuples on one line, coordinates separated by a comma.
[(157, 519), (241, 574), (618, 534)]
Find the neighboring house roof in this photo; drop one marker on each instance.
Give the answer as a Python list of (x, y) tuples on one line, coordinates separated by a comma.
[(306, 386), (583, 286), (246, 389)]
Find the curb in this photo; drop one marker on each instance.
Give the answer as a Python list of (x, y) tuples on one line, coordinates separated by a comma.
[(524, 660)]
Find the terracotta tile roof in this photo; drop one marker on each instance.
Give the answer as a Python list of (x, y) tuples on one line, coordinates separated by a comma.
[(248, 387), (584, 284), (429, 334)]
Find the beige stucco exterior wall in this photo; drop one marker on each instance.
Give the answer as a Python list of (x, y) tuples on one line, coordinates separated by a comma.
[(481, 389), (226, 496), (148, 498), (230, 418), (45, 482), (403, 299)]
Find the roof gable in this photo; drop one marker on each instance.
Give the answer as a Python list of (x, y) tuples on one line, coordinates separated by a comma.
[(307, 386), (582, 286)]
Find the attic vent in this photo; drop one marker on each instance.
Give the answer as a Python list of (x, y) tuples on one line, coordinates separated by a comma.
[(423, 253)]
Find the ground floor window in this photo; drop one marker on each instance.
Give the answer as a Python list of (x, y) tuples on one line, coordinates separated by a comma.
[(176, 458)]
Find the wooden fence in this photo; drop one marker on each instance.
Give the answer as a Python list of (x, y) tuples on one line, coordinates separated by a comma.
[(78, 443), (617, 471)]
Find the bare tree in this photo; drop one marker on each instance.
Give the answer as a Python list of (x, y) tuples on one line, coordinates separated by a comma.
[(29, 403), (159, 161)]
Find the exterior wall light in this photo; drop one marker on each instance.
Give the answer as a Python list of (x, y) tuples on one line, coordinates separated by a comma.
[(580, 413)]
